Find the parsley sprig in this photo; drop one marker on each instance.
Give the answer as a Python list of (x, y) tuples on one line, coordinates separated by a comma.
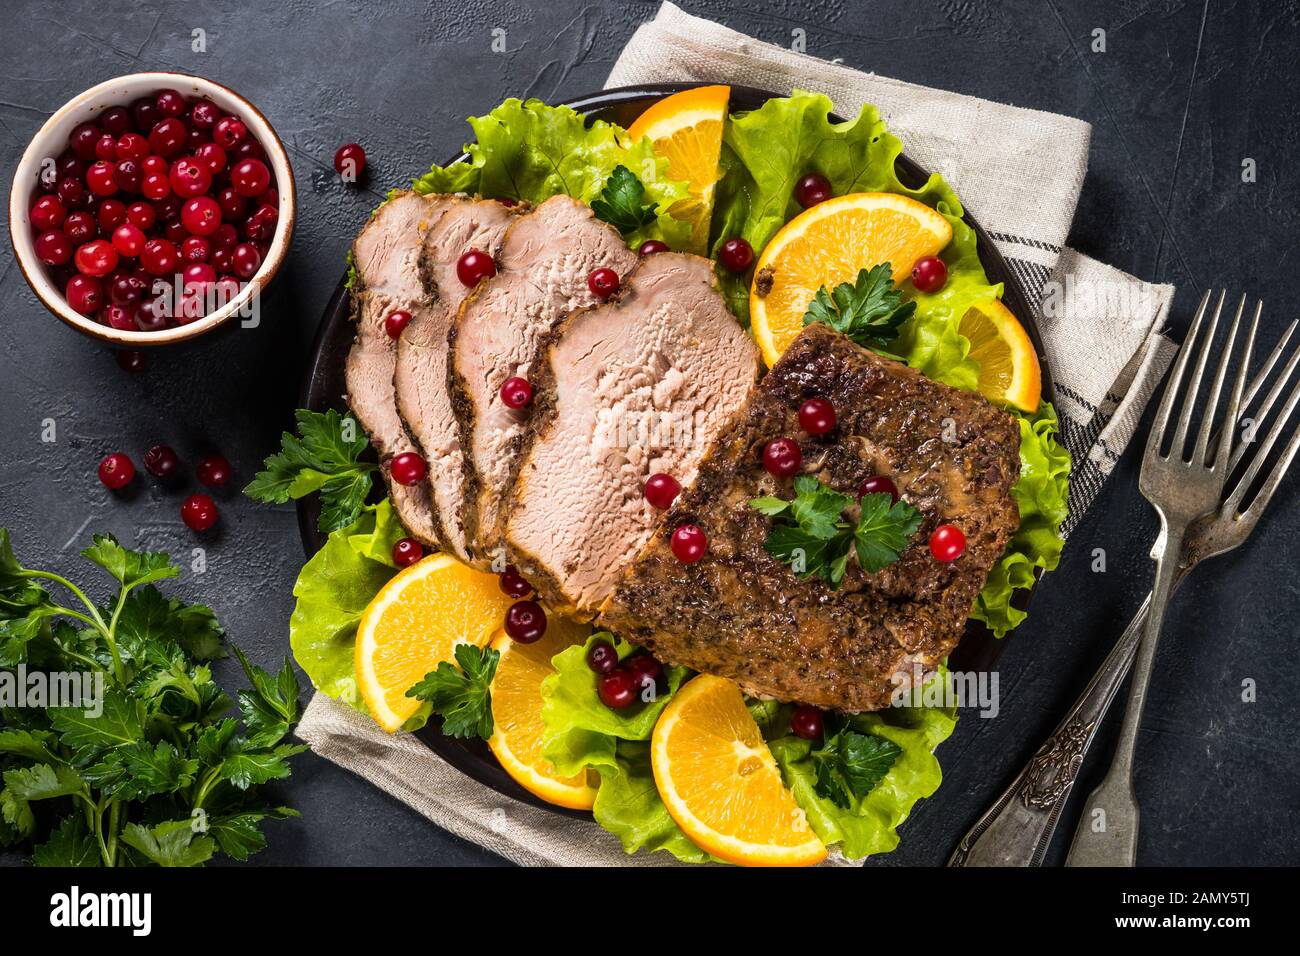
[(622, 202), (810, 534), (869, 311), (324, 456), (145, 766), (849, 765), (461, 694)]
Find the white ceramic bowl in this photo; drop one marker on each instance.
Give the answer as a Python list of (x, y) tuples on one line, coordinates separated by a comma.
[(52, 139)]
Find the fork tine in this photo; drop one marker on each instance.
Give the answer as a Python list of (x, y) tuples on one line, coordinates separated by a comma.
[(1260, 414), (1261, 500), (1161, 424), (1228, 432), (1194, 386), (1233, 501)]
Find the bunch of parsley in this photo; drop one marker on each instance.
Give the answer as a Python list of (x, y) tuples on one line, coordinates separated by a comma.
[(153, 771), (811, 535), (869, 311), (622, 202)]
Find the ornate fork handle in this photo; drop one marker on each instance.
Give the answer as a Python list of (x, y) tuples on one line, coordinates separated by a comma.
[(1018, 828)]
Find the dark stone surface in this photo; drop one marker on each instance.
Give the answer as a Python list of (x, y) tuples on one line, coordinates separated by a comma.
[(1182, 94)]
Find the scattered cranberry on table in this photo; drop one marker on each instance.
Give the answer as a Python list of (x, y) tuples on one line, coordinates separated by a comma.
[(513, 584), (782, 458), (947, 543), (812, 189), (617, 689), (132, 360), (525, 622), (213, 471), (736, 254), (929, 274), (350, 160), (473, 266), (396, 322), (661, 491), (689, 543), (161, 461), (516, 392), (408, 468), (806, 722), (406, 552), (601, 657), (116, 471), (199, 512), (878, 485), (651, 246), (603, 283), (817, 416)]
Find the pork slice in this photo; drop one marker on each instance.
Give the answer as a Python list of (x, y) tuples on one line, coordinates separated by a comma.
[(635, 387), (743, 614), (499, 332), (420, 376), (386, 256)]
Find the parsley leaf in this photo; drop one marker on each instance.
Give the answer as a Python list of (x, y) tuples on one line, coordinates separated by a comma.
[(849, 765), (324, 456), (461, 694), (869, 311), (622, 202), (810, 534)]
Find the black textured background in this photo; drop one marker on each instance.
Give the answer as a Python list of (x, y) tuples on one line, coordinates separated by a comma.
[(1182, 94)]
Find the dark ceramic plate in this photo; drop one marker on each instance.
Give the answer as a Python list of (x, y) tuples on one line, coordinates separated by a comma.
[(324, 388)]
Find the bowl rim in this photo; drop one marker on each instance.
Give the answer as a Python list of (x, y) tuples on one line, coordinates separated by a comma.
[(23, 187)]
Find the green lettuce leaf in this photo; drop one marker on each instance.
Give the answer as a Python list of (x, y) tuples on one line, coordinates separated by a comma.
[(526, 150)]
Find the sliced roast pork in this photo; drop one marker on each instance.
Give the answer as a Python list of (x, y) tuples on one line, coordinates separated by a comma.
[(741, 613), (545, 260), (638, 386), (386, 256), (420, 378)]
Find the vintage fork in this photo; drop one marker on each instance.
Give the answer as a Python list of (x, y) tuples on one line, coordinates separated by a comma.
[(1018, 828)]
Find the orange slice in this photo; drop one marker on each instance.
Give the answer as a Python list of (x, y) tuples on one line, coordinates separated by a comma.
[(686, 129), (517, 732), (828, 244), (1009, 371), (416, 621), (721, 784)]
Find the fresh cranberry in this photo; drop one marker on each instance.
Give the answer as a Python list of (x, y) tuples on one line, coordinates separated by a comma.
[(48, 213), (516, 392), (929, 274), (161, 461), (204, 114), (96, 258), (80, 226), (689, 543), (201, 215), (175, 232), (169, 137), (85, 294), (155, 186), (110, 215), (260, 226), (601, 657), (212, 156), (73, 193), (100, 178), (196, 139), (149, 317), (195, 249), (170, 103), (146, 113), (817, 416), (153, 164), (132, 360), (878, 485), (127, 287), (248, 148), (406, 552), (83, 139), (661, 491), (189, 177), (197, 276), (249, 177), (233, 206), (159, 257), (812, 189), (350, 160), (736, 254), (199, 512), (224, 237), (395, 322), (213, 471), (645, 669), (229, 131), (226, 289), (132, 146), (116, 120), (807, 722), (603, 283), (651, 246), (53, 248), (106, 148), (408, 468), (120, 317), (128, 240), (617, 689), (222, 259), (245, 260), (782, 457), (168, 208), (116, 471), (128, 175), (525, 622), (141, 215), (507, 201), (474, 266), (947, 543), (270, 198), (513, 584)]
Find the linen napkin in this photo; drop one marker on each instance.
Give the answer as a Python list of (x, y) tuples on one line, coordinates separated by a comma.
[(1019, 171)]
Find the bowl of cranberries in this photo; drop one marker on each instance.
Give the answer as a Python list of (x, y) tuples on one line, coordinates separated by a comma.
[(152, 208)]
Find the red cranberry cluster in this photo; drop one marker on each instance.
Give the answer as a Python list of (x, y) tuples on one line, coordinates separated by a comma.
[(169, 185), (199, 512)]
